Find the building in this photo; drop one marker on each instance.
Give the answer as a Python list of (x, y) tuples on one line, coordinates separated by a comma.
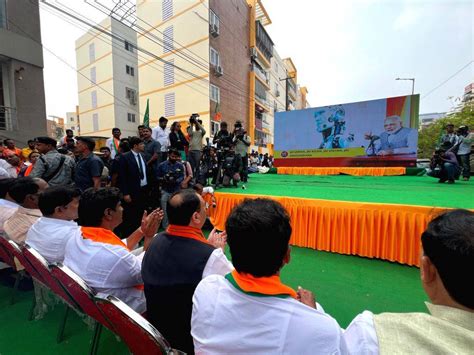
[(72, 122), (22, 101), (55, 127), (427, 119), (108, 80), (301, 100), (468, 97)]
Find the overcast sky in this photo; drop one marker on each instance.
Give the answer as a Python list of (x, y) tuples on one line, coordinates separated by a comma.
[(344, 51)]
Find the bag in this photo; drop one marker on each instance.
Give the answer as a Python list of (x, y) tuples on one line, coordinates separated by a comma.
[(48, 177)]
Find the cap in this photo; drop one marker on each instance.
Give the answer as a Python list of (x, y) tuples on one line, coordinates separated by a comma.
[(46, 140)]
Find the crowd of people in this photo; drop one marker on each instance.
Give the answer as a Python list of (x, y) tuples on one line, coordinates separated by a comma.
[(451, 159), (99, 216)]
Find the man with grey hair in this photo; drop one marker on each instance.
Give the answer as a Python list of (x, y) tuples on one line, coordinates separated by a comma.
[(395, 140)]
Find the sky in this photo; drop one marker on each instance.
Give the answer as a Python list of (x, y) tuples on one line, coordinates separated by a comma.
[(345, 51)]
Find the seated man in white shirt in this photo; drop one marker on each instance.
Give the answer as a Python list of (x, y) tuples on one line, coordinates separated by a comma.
[(7, 205), (250, 311), (50, 234), (446, 267), (176, 262), (99, 257)]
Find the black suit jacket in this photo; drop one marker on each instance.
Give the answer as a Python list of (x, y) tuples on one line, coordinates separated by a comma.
[(129, 175)]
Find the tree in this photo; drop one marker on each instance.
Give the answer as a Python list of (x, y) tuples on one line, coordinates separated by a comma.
[(428, 138)]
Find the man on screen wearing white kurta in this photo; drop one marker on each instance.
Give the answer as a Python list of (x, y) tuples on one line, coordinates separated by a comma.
[(250, 311)]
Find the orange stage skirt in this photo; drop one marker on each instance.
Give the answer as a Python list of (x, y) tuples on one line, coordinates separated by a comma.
[(368, 171), (374, 230)]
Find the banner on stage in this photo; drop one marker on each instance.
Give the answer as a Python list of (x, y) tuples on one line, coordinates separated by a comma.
[(380, 132)]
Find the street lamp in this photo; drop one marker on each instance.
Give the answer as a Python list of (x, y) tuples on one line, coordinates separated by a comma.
[(412, 83)]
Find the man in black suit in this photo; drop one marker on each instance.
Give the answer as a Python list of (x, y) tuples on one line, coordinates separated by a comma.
[(132, 182)]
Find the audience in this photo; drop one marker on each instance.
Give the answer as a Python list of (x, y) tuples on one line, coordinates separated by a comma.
[(249, 310), (446, 268), (8, 205), (10, 166), (49, 235), (175, 263), (25, 152), (99, 257), (25, 192)]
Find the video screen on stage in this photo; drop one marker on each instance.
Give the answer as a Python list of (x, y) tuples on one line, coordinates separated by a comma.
[(380, 132)]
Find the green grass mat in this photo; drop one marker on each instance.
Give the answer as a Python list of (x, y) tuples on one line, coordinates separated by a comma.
[(344, 285), (407, 190)]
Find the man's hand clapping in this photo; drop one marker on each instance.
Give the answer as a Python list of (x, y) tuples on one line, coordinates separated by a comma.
[(218, 240), (151, 222)]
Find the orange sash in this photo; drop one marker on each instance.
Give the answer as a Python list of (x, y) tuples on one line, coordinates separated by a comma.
[(28, 169), (102, 235), (187, 232), (260, 286)]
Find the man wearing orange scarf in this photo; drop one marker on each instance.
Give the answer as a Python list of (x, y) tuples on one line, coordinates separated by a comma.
[(99, 257), (250, 311), (176, 262)]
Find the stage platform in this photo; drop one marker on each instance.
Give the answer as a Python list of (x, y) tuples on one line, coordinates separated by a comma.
[(378, 217)]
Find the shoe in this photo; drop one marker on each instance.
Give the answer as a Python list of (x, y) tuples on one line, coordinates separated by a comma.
[(441, 181), (465, 179), (451, 182)]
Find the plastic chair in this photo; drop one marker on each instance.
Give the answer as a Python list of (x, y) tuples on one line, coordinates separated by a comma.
[(140, 335), (83, 295)]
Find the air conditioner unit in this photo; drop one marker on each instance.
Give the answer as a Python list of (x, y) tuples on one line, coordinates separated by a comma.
[(214, 30), (218, 70), (253, 53), (277, 94)]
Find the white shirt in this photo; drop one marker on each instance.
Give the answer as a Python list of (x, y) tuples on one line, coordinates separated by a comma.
[(217, 264), (228, 321), (162, 136), (109, 269), (141, 162), (7, 170), (110, 144), (49, 236), (7, 209)]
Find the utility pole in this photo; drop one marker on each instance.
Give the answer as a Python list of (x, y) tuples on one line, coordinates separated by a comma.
[(412, 83), (287, 100)]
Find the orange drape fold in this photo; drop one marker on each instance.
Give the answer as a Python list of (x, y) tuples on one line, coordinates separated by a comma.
[(367, 171), (385, 231)]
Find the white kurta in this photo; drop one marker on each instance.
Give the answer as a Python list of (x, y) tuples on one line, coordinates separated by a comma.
[(228, 321), (49, 236), (110, 144), (109, 269)]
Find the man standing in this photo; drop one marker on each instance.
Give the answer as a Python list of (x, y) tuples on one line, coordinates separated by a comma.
[(106, 157), (175, 263), (449, 139), (161, 134), (152, 152), (250, 310), (222, 137), (170, 176), (242, 144), (448, 328), (69, 135), (133, 183), (113, 142), (196, 132), (25, 152), (53, 167), (464, 151), (89, 167)]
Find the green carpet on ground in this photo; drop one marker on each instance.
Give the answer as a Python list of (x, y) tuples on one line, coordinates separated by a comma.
[(407, 190), (344, 285)]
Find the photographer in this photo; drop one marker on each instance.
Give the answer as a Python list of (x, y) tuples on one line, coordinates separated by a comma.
[(464, 150), (231, 167), (223, 137), (242, 143), (170, 176), (444, 165), (196, 132), (208, 166)]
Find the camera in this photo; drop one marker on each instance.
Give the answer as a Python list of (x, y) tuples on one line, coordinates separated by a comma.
[(170, 177), (193, 117)]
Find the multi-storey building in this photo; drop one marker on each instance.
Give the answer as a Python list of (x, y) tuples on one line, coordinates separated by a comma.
[(107, 79), (22, 101), (72, 122)]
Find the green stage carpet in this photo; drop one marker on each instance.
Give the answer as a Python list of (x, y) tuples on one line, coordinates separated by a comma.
[(408, 190), (344, 285)]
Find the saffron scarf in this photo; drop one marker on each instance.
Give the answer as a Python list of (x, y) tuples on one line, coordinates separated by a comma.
[(260, 286), (186, 232)]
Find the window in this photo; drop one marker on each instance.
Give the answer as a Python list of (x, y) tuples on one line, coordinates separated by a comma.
[(276, 88), (3, 14), (170, 104), (214, 20), (276, 68), (275, 107), (91, 52), (131, 95), (95, 122), (71, 119), (215, 59), (93, 75), (128, 46), (214, 127), (166, 9), (168, 39), (131, 117), (215, 94), (94, 99), (130, 70), (168, 72)]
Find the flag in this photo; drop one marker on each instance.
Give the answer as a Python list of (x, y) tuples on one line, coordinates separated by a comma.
[(146, 117)]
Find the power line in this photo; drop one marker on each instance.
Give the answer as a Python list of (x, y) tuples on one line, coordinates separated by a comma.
[(448, 79)]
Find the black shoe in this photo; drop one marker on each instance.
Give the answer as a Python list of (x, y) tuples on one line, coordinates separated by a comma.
[(442, 181), (451, 182)]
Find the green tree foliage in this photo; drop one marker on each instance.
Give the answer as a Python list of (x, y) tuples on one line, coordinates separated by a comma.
[(428, 137)]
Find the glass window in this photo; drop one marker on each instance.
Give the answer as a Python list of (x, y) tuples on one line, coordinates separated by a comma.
[(94, 99), (131, 117), (214, 20), (215, 94), (168, 39), (215, 59), (91, 52), (93, 75), (95, 122), (166, 9)]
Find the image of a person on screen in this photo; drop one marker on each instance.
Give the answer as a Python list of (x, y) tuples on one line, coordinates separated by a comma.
[(395, 140), (331, 123)]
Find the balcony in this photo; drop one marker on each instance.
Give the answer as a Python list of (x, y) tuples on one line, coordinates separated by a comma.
[(262, 75), (292, 89), (7, 117), (264, 42)]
